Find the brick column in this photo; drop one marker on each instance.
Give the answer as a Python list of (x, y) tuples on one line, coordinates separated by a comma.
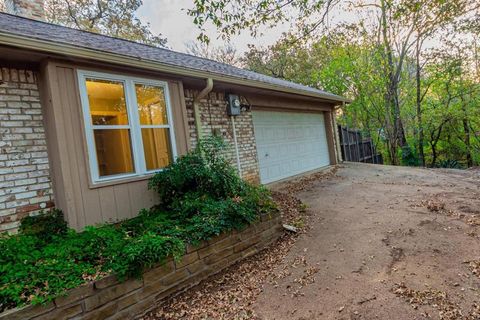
[(214, 117), (25, 186)]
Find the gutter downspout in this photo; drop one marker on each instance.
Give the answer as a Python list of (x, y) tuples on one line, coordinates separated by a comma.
[(196, 107)]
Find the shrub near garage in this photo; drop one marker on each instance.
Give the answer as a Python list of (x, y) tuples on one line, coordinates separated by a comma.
[(201, 197), (205, 190)]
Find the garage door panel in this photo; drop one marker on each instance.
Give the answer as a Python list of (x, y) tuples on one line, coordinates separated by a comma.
[(289, 143)]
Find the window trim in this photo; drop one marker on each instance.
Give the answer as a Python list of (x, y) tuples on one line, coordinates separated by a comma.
[(138, 152)]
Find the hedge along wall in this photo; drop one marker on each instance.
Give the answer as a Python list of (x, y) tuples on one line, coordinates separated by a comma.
[(109, 299)]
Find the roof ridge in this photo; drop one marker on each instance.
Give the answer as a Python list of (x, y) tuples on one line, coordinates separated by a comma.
[(122, 39), (42, 30)]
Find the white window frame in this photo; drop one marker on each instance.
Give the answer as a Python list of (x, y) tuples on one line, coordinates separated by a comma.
[(138, 153)]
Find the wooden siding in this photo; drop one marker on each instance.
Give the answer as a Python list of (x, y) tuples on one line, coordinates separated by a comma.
[(82, 202), (329, 128)]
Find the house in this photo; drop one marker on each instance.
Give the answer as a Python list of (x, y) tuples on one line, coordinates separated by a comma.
[(86, 119)]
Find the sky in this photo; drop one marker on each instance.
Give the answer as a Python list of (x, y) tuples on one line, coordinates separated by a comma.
[(168, 18)]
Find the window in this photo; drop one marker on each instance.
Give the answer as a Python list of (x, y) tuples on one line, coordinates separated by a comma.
[(128, 125)]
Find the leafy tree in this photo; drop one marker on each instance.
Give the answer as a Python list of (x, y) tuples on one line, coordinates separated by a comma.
[(402, 27), (226, 54), (116, 18), (285, 59), (349, 62), (379, 61), (231, 17), (461, 87), (427, 17)]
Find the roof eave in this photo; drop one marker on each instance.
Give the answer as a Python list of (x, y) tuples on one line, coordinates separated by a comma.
[(86, 53)]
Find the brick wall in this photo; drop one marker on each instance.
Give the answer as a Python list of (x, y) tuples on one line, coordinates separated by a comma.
[(25, 186), (107, 298), (214, 118)]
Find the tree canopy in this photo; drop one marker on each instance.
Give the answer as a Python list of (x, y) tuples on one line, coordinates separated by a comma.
[(226, 54), (233, 16), (116, 18)]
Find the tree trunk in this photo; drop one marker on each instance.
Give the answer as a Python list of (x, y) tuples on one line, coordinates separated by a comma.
[(421, 153), (401, 137), (392, 106), (466, 129), (477, 60), (434, 140), (434, 155), (388, 98)]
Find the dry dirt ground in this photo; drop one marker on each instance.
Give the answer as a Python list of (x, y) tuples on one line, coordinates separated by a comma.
[(380, 242), (385, 243)]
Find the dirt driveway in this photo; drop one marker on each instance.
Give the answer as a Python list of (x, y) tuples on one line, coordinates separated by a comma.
[(384, 243), (378, 242)]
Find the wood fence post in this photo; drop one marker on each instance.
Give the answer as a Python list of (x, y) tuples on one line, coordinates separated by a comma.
[(358, 137), (349, 148), (372, 150), (342, 143), (337, 139)]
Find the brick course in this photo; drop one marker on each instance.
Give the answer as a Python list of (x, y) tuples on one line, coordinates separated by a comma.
[(107, 298), (25, 186), (213, 114)]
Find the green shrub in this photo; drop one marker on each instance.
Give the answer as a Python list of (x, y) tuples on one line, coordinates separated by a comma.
[(449, 164), (409, 156), (205, 171), (45, 226), (204, 189), (35, 271), (201, 197)]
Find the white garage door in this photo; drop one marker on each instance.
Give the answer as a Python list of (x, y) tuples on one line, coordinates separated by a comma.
[(289, 143)]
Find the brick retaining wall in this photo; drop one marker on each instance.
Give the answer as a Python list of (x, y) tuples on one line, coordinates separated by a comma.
[(109, 299)]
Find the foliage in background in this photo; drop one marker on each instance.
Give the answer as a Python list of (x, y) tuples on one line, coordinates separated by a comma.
[(450, 164), (408, 156), (225, 54), (201, 197), (411, 67), (231, 17), (116, 18), (350, 62)]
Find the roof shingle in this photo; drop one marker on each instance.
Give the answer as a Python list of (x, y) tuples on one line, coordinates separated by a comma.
[(27, 28)]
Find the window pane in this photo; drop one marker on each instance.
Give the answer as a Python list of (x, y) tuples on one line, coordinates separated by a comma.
[(107, 102), (156, 143), (114, 151), (151, 104)]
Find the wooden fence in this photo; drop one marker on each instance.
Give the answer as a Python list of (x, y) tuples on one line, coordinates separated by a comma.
[(356, 148)]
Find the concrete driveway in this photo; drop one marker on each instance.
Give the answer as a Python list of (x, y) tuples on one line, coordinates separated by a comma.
[(384, 243)]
